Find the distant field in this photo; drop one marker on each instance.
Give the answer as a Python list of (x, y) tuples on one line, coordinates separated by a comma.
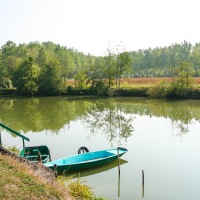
[(129, 83), (149, 82)]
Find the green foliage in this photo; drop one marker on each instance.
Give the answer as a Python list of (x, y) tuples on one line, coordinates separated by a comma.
[(71, 90), (124, 62), (7, 91), (5, 83), (13, 149), (81, 191), (50, 81), (110, 67), (52, 65), (136, 92), (181, 86), (80, 80), (158, 91), (164, 62), (177, 89), (99, 88), (26, 77)]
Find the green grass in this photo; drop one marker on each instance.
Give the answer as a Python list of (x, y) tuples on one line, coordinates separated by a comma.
[(17, 181), (136, 86)]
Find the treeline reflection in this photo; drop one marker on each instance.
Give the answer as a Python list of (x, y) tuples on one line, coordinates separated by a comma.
[(113, 116)]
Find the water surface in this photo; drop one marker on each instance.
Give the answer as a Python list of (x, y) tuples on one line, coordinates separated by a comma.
[(162, 138)]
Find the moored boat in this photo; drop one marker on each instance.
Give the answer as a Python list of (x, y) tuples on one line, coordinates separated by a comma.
[(86, 160), (36, 153)]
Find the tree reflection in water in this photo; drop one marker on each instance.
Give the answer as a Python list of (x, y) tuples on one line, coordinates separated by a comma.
[(110, 120), (111, 116)]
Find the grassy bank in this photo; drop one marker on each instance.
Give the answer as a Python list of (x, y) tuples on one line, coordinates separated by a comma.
[(19, 181), (134, 87)]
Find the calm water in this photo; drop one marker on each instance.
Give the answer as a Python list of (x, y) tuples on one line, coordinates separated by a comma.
[(162, 138)]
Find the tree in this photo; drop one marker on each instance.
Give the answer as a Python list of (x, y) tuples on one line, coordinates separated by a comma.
[(80, 80), (124, 62), (50, 81), (179, 87), (66, 61), (195, 59), (26, 77), (9, 62), (185, 73), (110, 66)]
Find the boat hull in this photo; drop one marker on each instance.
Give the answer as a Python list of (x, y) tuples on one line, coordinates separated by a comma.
[(86, 160), (36, 154)]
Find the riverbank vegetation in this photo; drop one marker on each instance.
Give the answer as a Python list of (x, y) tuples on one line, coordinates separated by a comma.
[(18, 181), (51, 69)]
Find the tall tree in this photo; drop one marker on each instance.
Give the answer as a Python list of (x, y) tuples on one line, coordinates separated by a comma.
[(110, 66), (50, 80), (26, 77), (9, 62), (124, 62)]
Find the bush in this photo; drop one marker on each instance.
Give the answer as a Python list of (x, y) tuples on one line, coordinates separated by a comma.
[(158, 91), (98, 87), (7, 91), (133, 92), (194, 94), (79, 189), (71, 90), (177, 90)]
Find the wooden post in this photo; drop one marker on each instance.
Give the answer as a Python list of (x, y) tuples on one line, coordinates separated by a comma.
[(118, 160), (118, 185), (24, 147), (0, 139), (49, 155), (142, 183), (55, 170), (39, 157), (23, 144)]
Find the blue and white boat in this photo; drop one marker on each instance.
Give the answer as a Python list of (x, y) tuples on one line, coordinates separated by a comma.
[(86, 160)]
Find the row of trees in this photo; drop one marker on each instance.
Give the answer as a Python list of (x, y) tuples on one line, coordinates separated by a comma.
[(165, 61), (44, 68), (36, 68)]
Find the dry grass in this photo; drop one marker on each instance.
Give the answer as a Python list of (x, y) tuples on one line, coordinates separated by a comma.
[(17, 181), (142, 82)]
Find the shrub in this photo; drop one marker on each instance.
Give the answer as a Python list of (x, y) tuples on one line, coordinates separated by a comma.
[(158, 91), (98, 87), (79, 189), (71, 90), (177, 89), (142, 92), (7, 91)]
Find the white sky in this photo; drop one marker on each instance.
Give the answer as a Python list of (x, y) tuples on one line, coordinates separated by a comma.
[(89, 25)]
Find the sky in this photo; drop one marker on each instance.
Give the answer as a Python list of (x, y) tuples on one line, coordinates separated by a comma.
[(93, 26)]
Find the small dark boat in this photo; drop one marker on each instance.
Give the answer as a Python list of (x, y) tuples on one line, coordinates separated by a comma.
[(36, 153), (86, 160)]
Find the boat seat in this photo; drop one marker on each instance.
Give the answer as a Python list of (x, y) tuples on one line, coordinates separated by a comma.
[(35, 156)]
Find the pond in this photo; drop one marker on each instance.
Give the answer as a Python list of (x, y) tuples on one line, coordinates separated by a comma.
[(162, 138)]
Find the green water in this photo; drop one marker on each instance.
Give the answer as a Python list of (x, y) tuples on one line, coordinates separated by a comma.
[(162, 138)]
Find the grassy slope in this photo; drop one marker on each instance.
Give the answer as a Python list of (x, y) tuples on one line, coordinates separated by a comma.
[(19, 182)]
